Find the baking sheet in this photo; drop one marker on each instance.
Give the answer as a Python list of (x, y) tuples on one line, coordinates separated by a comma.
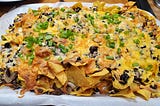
[(10, 97)]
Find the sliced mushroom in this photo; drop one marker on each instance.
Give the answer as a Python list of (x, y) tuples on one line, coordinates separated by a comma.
[(57, 91), (9, 76), (70, 87)]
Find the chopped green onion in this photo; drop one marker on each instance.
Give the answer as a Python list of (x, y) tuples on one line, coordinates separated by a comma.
[(110, 57), (107, 37), (62, 9), (66, 34), (149, 67), (126, 32), (70, 46), (20, 55), (30, 41), (54, 13), (39, 39), (42, 25), (47, 58), (141, 52), (105, 25), (112, 18), (48, 36), (50, 43), (91, 19), (121, 43), (35, 12), (132, 16), (76, 19), (60, 58), (157, 46), (31, 58), (116, 22), (112, 45), (118, 50), (119, 30), (83, 36), (63, 48), (96, 30), (135, 64), (136, 41), (142, 35)]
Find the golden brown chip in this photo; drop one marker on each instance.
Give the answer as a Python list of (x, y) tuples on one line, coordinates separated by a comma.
[(125, 93), (145, 93)]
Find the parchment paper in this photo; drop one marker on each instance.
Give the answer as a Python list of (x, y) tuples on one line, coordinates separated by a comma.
[(10, 97)]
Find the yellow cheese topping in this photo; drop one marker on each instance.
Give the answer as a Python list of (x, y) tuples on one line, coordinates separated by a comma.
[(82, 51)]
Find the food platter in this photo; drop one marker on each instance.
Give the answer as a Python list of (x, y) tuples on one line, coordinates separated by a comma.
[(6, 94), (8, 1)]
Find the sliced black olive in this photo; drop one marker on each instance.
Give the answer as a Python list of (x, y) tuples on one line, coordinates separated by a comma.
[(113, 91), (78, 59), (153, 86), (147, 80), (150, 34), (46, 14), (77, 9), (7, 72), (9, 76), (85, 15), (1, 70), (126, 71), (93, 49), (49, 19), (109, 69), (10, 61), (124, 78), (113, 79), (94, 8), (143, 47), (137, 74), (78, 88), (7, 45), (154, 58), (11, 26)]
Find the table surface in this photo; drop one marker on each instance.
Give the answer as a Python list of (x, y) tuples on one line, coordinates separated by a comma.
[(6, 7)]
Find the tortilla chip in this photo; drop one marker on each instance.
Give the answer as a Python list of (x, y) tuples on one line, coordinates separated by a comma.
[(44, 84), (100, 73), (62, 77), (125, 93), (87, 92), (145, 93), (77, 76), (100, 5), (57, 68)]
